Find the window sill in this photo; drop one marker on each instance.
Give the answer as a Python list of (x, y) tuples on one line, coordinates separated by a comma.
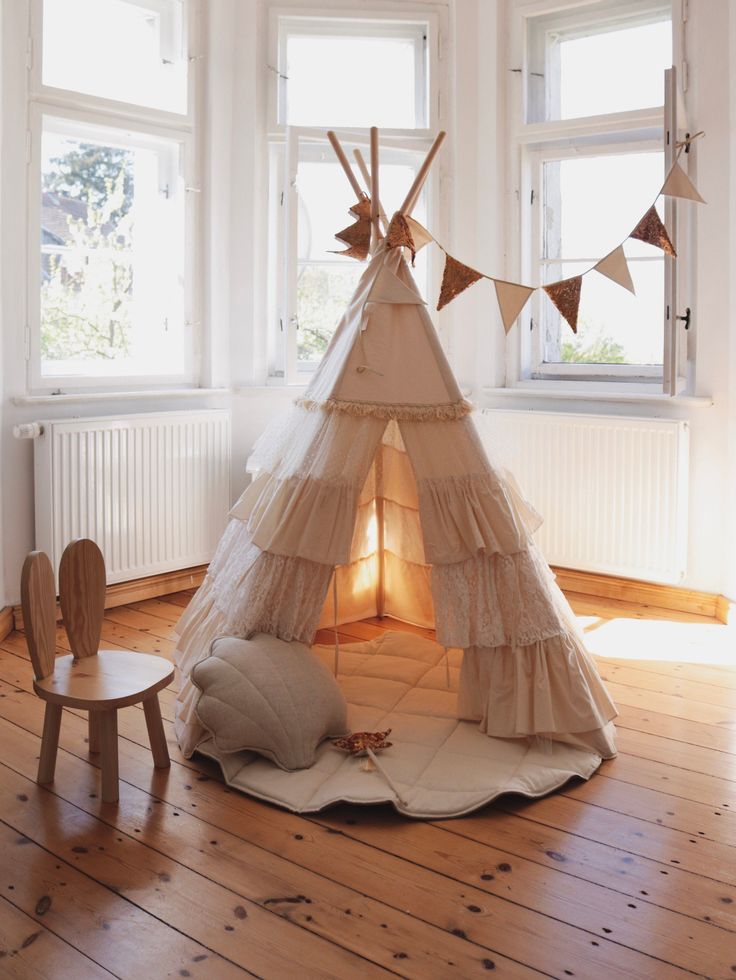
[(115, 396), (598, 395)]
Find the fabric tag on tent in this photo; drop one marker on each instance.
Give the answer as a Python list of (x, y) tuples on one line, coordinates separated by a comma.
[(512, 297), (651, 230), (614, 266), (566, 297), (678, 184), (388, 288), (455, 279)]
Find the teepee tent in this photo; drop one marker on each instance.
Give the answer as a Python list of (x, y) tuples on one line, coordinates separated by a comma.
[(374, 496)]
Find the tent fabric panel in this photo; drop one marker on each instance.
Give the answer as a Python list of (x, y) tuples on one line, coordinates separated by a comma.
[(356, 594), (550, 687), (328, 446), (408, 591), (496, 600), (305, 518)]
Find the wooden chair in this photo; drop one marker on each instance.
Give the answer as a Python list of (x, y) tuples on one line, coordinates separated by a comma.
[(97, 681)]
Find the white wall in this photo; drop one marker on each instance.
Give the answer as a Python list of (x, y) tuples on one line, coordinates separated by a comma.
[(234, 199)]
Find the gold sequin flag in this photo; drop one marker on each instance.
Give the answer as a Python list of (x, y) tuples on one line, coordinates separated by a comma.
[(614, 266), (512, 297), (455, 279), (399, 235), (566, 297), (651, 230), (678, 184), (358, 235)]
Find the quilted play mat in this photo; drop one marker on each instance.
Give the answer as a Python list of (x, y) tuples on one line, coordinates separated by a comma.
[(436, 765)]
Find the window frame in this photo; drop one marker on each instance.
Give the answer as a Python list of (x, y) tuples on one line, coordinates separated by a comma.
[(539, 369), (145, 125), (610, 132), (282, 341)]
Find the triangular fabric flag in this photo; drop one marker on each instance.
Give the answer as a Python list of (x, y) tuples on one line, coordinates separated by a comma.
[(354, 252), (357, 235), (419, 234), (512, 297), (566, 297), (614, 266), (399, 235), (678, 184), (388, 288), (651, 230), (455, 279)]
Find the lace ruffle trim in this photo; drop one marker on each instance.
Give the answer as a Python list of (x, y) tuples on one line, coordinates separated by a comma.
[(399, 413)]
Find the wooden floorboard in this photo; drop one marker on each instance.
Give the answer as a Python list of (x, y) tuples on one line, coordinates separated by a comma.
[(632, 874)]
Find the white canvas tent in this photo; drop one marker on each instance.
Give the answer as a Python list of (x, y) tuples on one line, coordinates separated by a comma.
[(378, 478)]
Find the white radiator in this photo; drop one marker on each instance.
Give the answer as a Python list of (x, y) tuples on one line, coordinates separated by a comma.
[(613, 491), (152, 490)]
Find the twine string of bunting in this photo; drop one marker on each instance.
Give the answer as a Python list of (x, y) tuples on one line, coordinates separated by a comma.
[(405, 232)]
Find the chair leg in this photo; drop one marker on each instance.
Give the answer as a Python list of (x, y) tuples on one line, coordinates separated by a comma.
[(109, 749), (94, 732), (156, 734), (49, 742)]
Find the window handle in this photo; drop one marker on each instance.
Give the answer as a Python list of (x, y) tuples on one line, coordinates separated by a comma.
[(686, 318)]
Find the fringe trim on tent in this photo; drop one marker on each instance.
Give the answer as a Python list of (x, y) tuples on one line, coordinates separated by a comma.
[(399, 413)]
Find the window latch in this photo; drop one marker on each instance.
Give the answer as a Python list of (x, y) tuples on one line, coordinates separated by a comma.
[(685, 319)]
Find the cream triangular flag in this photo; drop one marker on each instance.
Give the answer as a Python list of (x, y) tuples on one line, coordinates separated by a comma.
[(614, 266), (388, 288), (419, 233), (512, 297), (678, 184)]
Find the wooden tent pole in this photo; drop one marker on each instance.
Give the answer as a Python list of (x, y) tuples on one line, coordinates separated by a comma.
[(380, 536), (416, 188), (377, 234), (344, 163), (367, 181)]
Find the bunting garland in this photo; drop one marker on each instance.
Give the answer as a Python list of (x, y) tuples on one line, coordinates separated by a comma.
[(405, 232)]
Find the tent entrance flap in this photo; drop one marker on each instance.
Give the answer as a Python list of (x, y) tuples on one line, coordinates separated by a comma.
[(387, 574)]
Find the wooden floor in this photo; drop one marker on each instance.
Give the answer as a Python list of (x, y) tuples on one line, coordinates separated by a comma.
[(632, 874)]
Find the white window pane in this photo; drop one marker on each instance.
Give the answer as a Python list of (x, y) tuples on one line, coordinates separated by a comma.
[(112, 234), (323, 293), (590, 203), (614, 72), (127, 50), (342, 80), (614, 326), (593, 60)]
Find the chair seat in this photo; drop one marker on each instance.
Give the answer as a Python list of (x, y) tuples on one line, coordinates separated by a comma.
[(111, 679)]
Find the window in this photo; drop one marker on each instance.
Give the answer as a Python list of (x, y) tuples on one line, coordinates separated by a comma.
[(327, 75), (112, 203), (591, 157), (316, 53), (587, 205), (90, 45)]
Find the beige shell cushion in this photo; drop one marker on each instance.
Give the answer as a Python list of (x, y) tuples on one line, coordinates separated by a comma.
[(268, 696)]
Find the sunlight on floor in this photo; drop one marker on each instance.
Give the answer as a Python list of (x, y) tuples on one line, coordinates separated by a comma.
[(658, 639)]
